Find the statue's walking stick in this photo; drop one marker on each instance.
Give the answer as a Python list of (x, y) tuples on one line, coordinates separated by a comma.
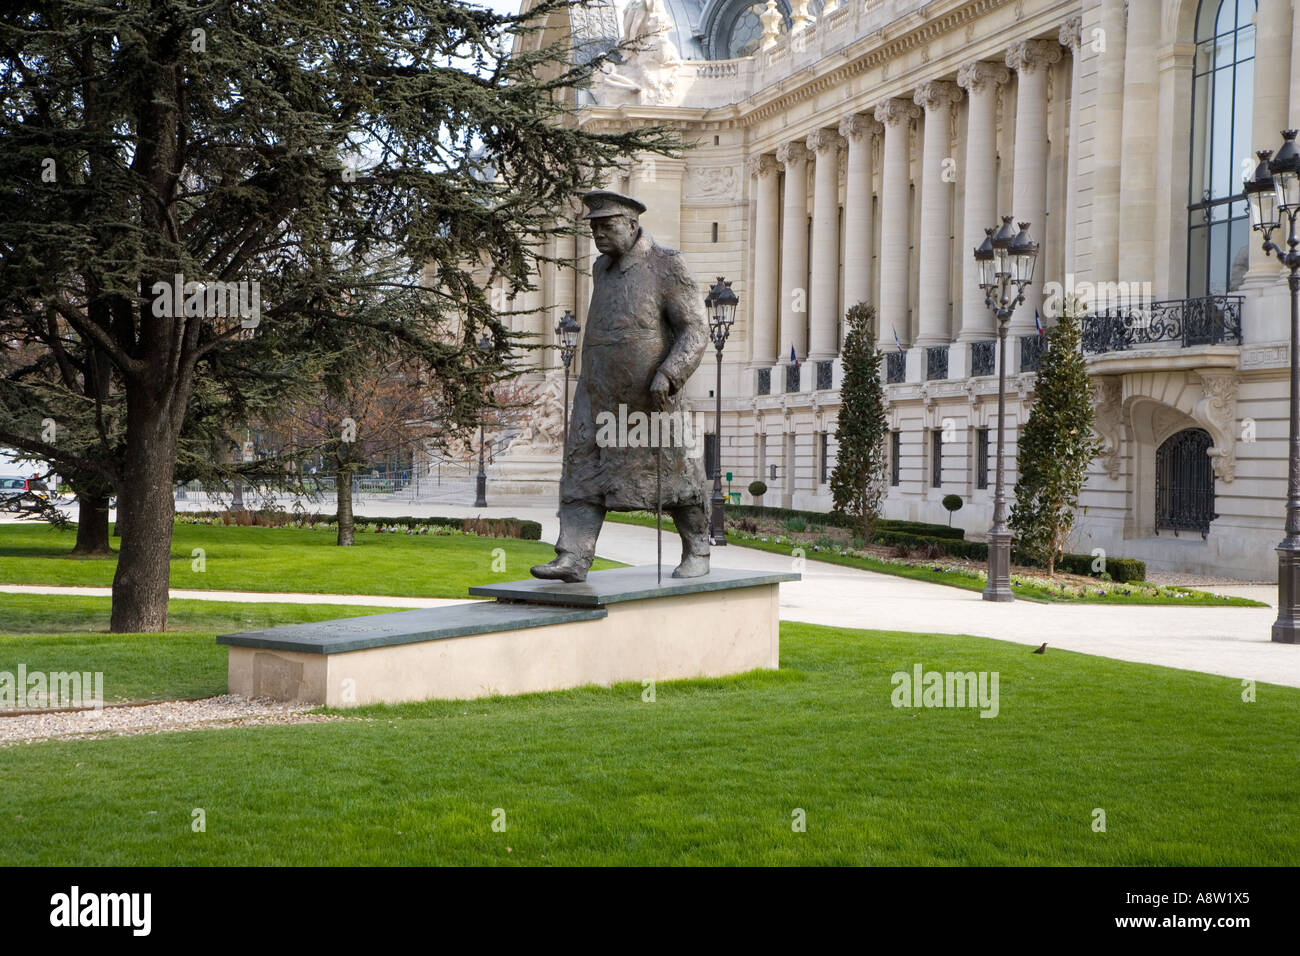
[(659, 516)]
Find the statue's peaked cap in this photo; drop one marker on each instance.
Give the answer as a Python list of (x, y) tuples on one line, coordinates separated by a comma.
[(606, 202)]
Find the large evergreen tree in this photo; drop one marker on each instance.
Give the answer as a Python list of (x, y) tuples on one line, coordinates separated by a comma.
[(858, 482), (1054, 448), (240, 142)]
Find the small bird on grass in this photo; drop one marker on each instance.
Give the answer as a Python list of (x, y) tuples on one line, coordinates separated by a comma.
[(1041, 650)]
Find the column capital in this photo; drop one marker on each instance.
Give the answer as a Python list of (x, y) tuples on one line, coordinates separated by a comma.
[(821, 140), (936, 94), (761, 166), (788, 154), (858, 126), (1071, 34), (1028, 55), (896, 111), (981, 75)]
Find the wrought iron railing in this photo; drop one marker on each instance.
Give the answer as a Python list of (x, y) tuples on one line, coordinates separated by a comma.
[(984, 357), (792, 378), (824, 375), (1032, 348), (765, 381), (936, 362), (1207, 320), (895, 367)]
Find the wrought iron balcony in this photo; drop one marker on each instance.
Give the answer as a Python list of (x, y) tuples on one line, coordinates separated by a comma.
[(792, 378), (765, 381), (895, 367), (1208, 320), (1032, 348), (824, 375), (984, 357), (936, 362)]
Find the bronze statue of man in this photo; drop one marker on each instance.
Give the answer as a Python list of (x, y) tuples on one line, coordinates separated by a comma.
[(630, 445)]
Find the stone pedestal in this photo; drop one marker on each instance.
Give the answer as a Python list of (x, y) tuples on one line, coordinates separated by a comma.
[(619, 625)]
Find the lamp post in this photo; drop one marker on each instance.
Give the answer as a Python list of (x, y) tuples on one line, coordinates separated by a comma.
[(1273, 191), (480, 484), (1006, 260), (721, 303), (566, 333)]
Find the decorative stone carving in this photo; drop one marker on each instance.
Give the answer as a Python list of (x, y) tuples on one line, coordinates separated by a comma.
[(771, 19), (543, 429), (712, 182), (824, 141), (1217, 413), (977, 76), (936, 94), (895, 111), (1108, 398), (652, 63), (1071, 34), (788, 154), (760, 166), (1028, 55), (857, 126)]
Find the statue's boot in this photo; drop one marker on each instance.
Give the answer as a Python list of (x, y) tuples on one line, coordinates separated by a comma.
[(693, 525), (576, 546), (561, 569)]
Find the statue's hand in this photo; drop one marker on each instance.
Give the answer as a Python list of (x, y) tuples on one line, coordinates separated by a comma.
[(660, 391)]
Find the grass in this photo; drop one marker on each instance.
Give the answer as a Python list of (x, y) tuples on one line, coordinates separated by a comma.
[(57, 633), (287, 559), (937, 572), (710, 773)]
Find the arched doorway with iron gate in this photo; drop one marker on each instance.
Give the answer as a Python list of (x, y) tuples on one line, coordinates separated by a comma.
[(1185, 483)]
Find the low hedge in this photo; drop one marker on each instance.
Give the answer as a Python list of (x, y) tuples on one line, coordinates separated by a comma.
[(836, 520), (486, 527), (956, 547), (1121, 570)]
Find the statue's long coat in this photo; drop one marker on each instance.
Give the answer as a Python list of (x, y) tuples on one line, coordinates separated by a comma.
[(646, 316)]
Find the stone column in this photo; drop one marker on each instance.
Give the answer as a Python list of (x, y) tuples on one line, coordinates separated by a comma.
[(766, 284), (794, 252), (1107, 147), (1030, 59), (896, 218), (1140, 151), (1271, 101), (980, 80), (935, 247), (824, 317), (1071, 36), (858, 131), (565, 296)]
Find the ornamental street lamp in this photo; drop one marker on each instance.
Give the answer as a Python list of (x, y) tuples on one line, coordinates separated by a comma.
[(1274, 191), (480, 484), (566, 333), (721, 303), (1006, 264)]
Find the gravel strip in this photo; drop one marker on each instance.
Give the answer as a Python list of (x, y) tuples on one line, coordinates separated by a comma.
[(228, 710)]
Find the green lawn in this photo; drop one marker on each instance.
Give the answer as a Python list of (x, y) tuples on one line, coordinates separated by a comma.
[(938, 572), (710, 773), (288, 559), (57, 633)]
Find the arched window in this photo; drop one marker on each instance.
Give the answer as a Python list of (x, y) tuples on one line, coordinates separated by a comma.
[(1222, 98), (1185, 482), (737, 29)]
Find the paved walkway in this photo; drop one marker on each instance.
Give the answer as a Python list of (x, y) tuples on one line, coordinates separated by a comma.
[(1230, 641)]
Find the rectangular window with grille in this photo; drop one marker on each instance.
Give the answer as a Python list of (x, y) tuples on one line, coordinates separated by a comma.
[(823, 456), (710, 453), (936, 458), (981, 458), (895, 457)]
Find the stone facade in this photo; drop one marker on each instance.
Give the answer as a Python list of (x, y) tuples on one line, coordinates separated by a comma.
[(858, 155)]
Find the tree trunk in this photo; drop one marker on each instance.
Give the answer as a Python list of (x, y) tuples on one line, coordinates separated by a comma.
[(343, 490), (147, 508), (92, 525)]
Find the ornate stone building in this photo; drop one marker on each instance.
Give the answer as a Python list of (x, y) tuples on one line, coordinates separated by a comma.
[(856, 152)]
